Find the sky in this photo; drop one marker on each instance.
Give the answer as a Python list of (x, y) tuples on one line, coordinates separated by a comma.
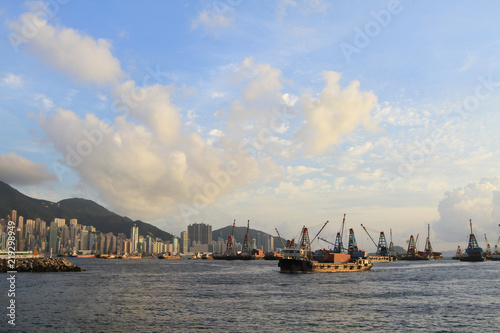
[(285, 113)]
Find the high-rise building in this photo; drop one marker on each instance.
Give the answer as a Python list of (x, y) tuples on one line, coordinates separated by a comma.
[(59, 222), (184, 242), (176, 245), (200, 233), (53, 239), (134, 237), (14, 215)]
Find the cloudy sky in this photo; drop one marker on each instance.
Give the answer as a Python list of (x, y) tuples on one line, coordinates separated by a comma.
[(286, 113)]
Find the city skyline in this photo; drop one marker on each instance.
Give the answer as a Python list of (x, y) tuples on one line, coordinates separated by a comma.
[(286, 113)]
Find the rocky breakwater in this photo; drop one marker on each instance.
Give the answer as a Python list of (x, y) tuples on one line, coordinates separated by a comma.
[(39, 265)]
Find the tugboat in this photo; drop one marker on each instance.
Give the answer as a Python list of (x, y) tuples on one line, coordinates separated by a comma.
[(473, 251), (298, 259)]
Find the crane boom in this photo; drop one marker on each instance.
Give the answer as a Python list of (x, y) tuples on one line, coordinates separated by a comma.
[(320, 231), (281, 239), (369, 236), (324, 240)]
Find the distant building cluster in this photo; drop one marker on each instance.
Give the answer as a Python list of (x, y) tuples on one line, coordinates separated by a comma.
[(59, 237), (198, 238)]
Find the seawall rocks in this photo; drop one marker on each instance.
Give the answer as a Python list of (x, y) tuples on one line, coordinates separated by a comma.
[(39, 265)]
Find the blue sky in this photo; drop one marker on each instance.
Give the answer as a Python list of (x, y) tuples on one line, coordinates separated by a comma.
[(286, 113)]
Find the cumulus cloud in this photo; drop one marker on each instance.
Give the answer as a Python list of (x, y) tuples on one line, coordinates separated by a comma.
[(477, 201), (68, 50), (139, 170), (152, 107), (260, 99), (335, 113), (17, 170)]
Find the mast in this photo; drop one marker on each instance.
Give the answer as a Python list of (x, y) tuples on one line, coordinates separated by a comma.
[(246, 242), (230, 242), (428, 246), (342, 230), (392, 248)]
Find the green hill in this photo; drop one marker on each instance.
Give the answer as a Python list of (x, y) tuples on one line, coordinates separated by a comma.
[(86, 211), (240, 232)]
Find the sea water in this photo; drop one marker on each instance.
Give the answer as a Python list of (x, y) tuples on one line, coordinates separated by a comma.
[(151, 295)]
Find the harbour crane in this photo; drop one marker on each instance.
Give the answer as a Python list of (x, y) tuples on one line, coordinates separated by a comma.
[(392, 248), (488, 247), (246, 251), (230, 242), (382, 249)]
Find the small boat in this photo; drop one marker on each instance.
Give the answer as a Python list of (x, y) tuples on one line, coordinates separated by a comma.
[(272, 256), (168, 255), (473, 251)]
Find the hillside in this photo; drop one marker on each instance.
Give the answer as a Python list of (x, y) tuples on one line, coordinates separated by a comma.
[(239, 234), (86, 211)]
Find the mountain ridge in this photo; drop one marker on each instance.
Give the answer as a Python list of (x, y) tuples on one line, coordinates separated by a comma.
[(87, 212)]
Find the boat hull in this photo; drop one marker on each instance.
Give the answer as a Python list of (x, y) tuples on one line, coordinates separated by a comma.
[(382, 258), (474, 258), (312, 266)]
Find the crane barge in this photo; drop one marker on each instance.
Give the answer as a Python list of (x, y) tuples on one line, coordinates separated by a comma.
[(382, 254), (299, 258)]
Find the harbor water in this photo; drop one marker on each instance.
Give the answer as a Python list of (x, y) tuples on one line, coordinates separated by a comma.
[(152, 295)]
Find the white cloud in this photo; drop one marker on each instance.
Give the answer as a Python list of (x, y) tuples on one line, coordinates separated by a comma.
[(152, 106), (79, 56), (145, 169), (46, 102), (11, 80), (217, 94), (477, 201), (216, 132), (337, 112), (17, 170), (301, 170), (213, 19)]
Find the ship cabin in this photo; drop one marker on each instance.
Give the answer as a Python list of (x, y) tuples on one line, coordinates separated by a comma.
[(293, 253)]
